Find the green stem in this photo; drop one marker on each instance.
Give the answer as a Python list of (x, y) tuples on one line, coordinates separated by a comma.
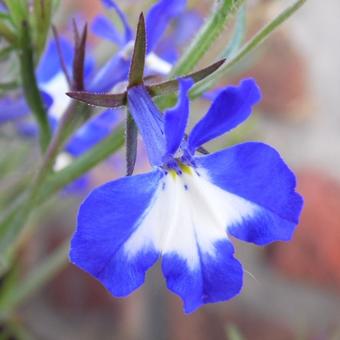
[(213, 27), (259, 38), (30, 86), (7, 33), (45, 186), (42, 273)]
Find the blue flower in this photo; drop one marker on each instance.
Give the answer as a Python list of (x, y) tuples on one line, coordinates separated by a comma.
[(158, 19), (186, 208)]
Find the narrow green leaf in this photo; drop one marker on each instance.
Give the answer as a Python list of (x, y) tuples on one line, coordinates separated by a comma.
[(18, 10), (238, 34), (259, 38), (7, 33), (5, 52), (30, 86), (42, 273), (213, 27), (42, 13), (14, 222), (138, 57)]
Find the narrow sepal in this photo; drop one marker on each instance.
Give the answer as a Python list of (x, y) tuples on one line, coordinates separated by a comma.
[(100, 99), (119, 99), (149, 121), (79, 58), (138, 57), (61, 56), (131, 144), (171, 86)]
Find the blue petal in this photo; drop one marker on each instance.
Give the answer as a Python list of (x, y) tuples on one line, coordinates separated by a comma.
[(127, 29), (92, 132), (218, 278), (77, 187), (104, 28), (257, 173), (230, 108), (113, 72), (49, 65), (186, 25), (106, 220), (159, 18), (149, 121), (176, 119), (15, 108), (12, 109)]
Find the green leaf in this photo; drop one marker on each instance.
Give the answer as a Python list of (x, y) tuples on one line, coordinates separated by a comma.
[(259, 38), (42, 273), (42, 13), (30, 86), (14, 222), (7, 32), (18, 10), (213, 27), (5, 53), (238, 34)]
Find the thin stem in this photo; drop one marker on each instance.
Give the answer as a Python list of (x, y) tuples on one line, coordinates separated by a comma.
[(213, 27), (30, 86), (42, 273), (258, 38)]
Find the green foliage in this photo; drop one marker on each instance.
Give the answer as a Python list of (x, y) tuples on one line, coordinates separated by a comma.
[(41, 21), (223, 11), (253, 43), (29, 83)]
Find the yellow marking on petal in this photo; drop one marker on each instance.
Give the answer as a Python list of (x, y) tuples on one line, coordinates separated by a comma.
[(173, 174), (186, 169)]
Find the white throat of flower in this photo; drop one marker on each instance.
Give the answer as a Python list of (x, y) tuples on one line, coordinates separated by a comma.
[(152, 61), (56, 88)]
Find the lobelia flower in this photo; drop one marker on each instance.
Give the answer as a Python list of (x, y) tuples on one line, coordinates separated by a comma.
[(185, 209), (158, 19)]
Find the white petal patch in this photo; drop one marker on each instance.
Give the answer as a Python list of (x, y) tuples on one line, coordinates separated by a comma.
[(56, 88), (187, 217), (155, 63)]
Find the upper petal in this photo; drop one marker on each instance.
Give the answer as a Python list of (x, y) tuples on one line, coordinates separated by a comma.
[(105, 242), (149, 121), (111, 73), (159, 18), (231, 107), (265, 186), (92, 132), (49, 65), (127, 29), (104, 28), (176, 119)]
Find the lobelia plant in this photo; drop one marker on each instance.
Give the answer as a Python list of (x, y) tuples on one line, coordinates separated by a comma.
[(185, 208), (245, 191)]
